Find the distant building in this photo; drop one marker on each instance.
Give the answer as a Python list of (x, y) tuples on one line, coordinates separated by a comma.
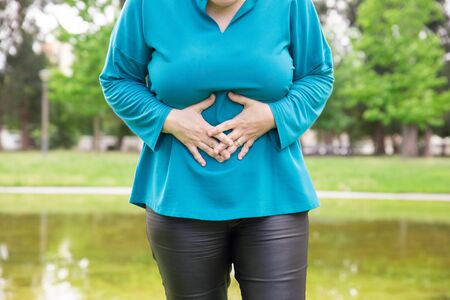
[(310, 145), (10, 139), (108, 142)]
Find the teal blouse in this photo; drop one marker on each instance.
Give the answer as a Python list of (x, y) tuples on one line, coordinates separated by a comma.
[(272, 51)]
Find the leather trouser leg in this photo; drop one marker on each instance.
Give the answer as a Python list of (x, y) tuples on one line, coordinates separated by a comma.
[(194, 256), (270, 257)]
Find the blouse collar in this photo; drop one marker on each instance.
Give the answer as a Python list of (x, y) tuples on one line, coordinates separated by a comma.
[(245, 8)]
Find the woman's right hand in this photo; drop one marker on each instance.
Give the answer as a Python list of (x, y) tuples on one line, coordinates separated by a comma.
[(189, 127)]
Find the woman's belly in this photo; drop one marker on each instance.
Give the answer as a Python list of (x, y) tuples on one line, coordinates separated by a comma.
[(222, 109), (176, 176)]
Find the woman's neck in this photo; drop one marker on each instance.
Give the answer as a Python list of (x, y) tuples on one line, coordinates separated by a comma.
[(217, 8)]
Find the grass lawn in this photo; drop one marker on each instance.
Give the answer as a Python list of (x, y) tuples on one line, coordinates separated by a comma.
[(372, 174)]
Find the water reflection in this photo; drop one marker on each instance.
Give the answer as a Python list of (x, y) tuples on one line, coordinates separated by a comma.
[(380, 260), (55, 283), (106, 256)]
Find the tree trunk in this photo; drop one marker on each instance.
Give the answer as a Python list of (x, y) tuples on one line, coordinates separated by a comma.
[(24, 121), (409, 140), (350, 149), (1, 130), (443, 148), (380, 147), (122, 132), (119, 143), (427, 140), (328, 139), (96, 134), (1, 113), (396, 144), (1, 143)]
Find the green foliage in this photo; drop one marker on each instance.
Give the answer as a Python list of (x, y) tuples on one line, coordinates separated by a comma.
[(80, 94), (21, 88), (351, 85), (396, 78), (81, 88)]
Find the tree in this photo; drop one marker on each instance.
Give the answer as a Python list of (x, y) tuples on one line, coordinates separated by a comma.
[(81, 88), (442, 28), (402, 59), (22, 90), (20, 85), (343, 113)]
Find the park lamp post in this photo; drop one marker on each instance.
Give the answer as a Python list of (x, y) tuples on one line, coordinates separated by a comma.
[(44, 74)]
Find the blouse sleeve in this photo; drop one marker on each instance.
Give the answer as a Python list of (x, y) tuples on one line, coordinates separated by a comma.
[(123, 77), (313, 77)]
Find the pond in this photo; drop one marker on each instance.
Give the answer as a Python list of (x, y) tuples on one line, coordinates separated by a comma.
[(107, 256)]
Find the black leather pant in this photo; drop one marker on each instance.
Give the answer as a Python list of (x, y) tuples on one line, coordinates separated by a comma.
[(194, 257)]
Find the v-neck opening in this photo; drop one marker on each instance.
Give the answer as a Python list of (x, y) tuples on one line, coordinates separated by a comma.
[(244, 8)]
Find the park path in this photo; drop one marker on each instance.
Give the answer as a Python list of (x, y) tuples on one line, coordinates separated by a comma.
[(82, 190)]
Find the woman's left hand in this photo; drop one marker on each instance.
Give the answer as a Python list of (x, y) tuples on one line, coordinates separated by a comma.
[(253, 121)]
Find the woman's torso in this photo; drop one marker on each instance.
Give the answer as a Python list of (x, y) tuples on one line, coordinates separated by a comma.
[(191, 59)]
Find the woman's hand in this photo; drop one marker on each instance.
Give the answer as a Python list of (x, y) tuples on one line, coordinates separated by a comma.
[(253, 121), (189, 127)]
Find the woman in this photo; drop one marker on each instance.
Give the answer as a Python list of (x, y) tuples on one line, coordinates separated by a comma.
[(231, 87)]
